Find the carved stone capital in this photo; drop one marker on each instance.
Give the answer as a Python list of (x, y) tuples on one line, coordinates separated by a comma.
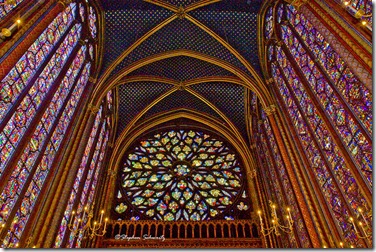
[(296, 3), (269, 81), (92, 79), (270, 110), (65, 3), (93, 109)]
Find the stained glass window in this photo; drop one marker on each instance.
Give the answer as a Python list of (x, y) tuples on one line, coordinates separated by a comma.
[(363, 7), (269, 23), (330, 111), (39, 100), (31, 102), (80, 173), (92, 22), (6, 8), (181, 175)]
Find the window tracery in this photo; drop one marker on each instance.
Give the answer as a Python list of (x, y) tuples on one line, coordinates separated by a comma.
[(181, 175)]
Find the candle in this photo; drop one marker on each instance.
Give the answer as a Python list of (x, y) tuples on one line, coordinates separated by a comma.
[(105, 223), (361, 213), (288, 210), (352, 221), (100, 221), (341, 244), (361, 225), (72, 217)]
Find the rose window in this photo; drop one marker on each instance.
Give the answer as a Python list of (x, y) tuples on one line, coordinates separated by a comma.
[(181, 175)]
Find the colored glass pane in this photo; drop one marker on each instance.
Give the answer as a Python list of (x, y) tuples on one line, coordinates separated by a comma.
[(93, 22), (283, 177), (344, 123), (26, 111), (84, 200), (80, 172), (317, 161), (43, 168), (181, 175), (6, 8), (23, 72), (355, 93), (269, 23)]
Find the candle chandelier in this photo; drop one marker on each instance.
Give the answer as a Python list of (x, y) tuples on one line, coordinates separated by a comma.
[(363, 232), (86, 226), (276, 226)]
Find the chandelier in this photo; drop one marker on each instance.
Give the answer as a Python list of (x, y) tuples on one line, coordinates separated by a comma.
[(276, 225), (86, 226)]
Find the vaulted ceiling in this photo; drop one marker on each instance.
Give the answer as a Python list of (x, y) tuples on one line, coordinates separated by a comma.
[(213, 34)]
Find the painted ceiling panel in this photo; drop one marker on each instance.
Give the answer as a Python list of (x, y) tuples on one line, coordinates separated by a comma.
[(180, 34), (124, 27), (227, 97), (181, 68), (134, 97), (236, 28), (177, 100)]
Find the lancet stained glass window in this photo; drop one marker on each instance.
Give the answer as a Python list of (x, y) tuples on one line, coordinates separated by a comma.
[(181, 175), (5, 8), (39, 97), (331, 111)]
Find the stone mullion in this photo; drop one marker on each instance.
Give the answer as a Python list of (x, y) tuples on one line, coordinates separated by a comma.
[(54, 168), (31, 83), (349, 159), (322, 70), (352, 40), (36, 163), (279, 176), (270, 112), (101, 194), (313, 185), (9, 57), (341, 193), (82, 184), (103, 143), (12, 162), (314, 139), (278, 183), (53, 192), (72, 160), (310, 194), (264, 205), (336, 137)]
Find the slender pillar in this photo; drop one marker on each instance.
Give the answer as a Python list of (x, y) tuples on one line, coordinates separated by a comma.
[(271, 113)]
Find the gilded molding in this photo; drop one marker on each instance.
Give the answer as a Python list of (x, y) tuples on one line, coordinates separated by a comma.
[(93, 109), (271, 110), (92, 79), (181, 12), (345, 37), (356, 67), (26, 26), (296, 3)]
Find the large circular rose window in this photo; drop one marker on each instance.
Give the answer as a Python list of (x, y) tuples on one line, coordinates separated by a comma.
[(180, 175)]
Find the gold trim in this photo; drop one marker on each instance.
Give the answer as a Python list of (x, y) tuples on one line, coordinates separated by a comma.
[(163, 4), (107, 72), (271, 110), (346, 38), (93, 109), (100, 90), (232, 50), (239, 144)]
